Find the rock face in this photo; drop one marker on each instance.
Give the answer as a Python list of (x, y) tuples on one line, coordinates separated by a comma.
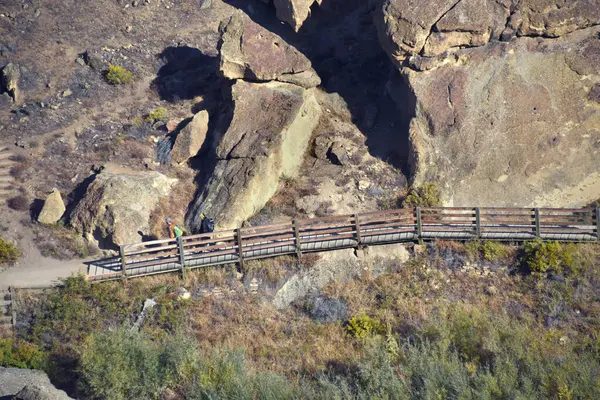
[(429, 28), (511, 123), (294, 12), (249, 51), (26, 384), (53, 209), (191, 138), (340, 265), (117, 205), (266, 140), (9, 81)]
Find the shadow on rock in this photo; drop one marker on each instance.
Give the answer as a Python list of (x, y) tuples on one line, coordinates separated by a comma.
[(340, 39)]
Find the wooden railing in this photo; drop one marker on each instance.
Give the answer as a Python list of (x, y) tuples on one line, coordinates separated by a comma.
[(349, 231)]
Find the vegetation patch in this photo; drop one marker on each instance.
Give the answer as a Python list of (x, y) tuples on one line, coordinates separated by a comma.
[(158, 114), (541, 257), (9, 253), (427, 195), (117, 75)]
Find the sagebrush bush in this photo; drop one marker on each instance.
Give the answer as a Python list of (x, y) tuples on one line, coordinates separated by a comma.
[(362, 326), (427, 195), (158, 114), (18, 203), (487, 250), (542, 257), (20, 354), (9, 253), (117, 75)]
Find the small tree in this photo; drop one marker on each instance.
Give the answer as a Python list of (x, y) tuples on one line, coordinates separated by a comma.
[(118, 75), (427, 195)]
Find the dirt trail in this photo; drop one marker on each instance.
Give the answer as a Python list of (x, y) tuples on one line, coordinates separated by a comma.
[(46, 272)]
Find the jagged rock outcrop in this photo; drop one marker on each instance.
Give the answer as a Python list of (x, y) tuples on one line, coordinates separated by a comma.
[(294, 12), (266, 140), (53, 208), (26, 384), (511, 123), (117, 205), (430, 28), (191, 138), (249, 51)]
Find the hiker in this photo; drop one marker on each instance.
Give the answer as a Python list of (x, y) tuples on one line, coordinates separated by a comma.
[(207, 224), (175, 231)]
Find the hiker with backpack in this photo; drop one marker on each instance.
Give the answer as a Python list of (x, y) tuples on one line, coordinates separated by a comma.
[(207, 225), (175, 231)]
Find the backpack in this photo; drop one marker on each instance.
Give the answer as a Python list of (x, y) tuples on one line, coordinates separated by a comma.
[(208, 225), (177, 231)]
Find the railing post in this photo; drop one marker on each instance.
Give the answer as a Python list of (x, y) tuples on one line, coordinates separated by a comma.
[(298, 244), (538, 232), (240, 245), (418, 221), (478, 222), (598, 223), (13, 306), (357, 228), (123, 262), (181, 256)]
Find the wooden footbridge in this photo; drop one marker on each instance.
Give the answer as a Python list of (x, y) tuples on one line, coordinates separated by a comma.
[(350, 231)]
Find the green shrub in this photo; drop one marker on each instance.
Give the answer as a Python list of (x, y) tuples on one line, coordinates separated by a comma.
[(362, 326), (551, 257), (123, 365), (158, 114), (225, 375), (427, 195), (487, 250), (117, 75), (20, 354), (9, 253)]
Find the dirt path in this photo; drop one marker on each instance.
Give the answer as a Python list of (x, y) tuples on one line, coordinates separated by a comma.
[(46, 273)]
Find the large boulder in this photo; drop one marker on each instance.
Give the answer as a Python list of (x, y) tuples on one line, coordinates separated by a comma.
[(53, 209), (9, 82), (190, 139), (432, 27), (511, 124), (249, 51), (117, 205), (27, 384), (266, 140)]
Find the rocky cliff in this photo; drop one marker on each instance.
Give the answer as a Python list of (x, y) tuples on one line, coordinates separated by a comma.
[(505, 111)]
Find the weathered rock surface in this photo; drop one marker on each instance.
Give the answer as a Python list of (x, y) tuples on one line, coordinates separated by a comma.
[(249, 51), (340, 266), (266, 140), (294, 12), (511, 123), (117, 205), (9, 82), (191, 138), (430, 28), (26, 384), (53, 208)]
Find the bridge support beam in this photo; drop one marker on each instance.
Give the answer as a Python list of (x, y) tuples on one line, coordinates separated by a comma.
[(538, 231), (297, 241), (478, 222), (240, 245), (598, 223), (419, 225), (123, 261), (359, 244), (181, 256)]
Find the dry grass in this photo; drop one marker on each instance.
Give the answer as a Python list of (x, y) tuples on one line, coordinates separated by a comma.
[(286, 342)]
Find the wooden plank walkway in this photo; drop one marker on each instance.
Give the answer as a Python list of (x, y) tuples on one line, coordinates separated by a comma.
[(348, 231)]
